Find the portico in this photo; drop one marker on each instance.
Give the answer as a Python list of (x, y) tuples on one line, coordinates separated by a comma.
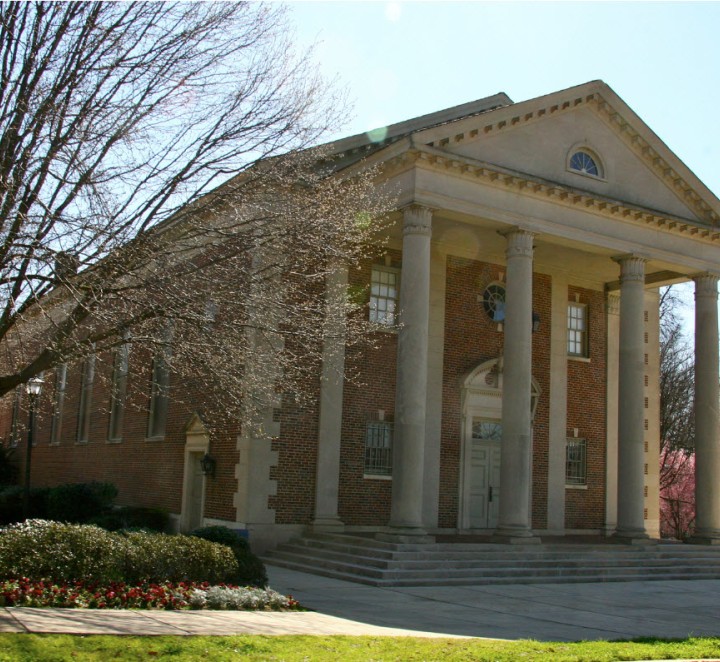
[(493, 200)]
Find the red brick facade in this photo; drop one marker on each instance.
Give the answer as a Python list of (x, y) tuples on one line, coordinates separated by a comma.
[(150, 473)]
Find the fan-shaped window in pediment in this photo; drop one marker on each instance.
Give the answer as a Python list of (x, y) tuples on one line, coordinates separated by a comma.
[(585, 162)]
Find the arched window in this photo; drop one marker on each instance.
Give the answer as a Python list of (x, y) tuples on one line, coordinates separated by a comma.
[(494, 302), (585, 163)]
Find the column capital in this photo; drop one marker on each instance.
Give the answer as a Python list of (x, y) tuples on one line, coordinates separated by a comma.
[(612, 304), (417, 219), (706, 285), (632, 268), (519, 242)]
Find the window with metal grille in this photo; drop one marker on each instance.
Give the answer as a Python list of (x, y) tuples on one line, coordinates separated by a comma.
[(575, 462), (86, 393), (160, 385), (384, 294), (119, 392), (15, 426), (378, 448), (577, 344), (58, 404)]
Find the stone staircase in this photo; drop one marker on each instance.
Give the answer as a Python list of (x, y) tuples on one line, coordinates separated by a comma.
[(364, 560)]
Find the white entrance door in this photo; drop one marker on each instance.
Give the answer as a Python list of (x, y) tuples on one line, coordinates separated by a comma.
[(484, 473)]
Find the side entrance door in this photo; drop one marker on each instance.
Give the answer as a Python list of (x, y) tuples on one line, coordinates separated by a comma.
[(484, 473)]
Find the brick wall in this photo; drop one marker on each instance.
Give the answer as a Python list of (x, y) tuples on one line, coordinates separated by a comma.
[(472, 338), (586, 407), (146, 473)]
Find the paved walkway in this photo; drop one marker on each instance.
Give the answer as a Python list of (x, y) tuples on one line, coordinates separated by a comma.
[(553, 612)]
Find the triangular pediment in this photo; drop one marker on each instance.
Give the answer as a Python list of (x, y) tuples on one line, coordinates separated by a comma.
[(195, 425), (537, 138)]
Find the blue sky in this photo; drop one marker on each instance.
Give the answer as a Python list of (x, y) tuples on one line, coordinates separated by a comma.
[(403, 59)]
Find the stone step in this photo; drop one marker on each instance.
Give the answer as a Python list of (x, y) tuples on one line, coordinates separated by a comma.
[(444, 555), (365, 560), (446, 580), (357, 565), (411, 561)]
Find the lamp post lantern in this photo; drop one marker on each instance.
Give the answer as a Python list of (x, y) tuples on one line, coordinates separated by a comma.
[(33, 388)]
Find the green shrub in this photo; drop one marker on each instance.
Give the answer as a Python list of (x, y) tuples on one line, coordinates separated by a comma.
[(161, 557), (251, 571), (79, 502), (11, 504), (39, 549), (134, 517)]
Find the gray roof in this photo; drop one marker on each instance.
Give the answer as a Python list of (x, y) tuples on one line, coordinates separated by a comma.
[(353, 148)]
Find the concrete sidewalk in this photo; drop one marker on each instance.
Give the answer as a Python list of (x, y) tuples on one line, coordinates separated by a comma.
[(551, 612)]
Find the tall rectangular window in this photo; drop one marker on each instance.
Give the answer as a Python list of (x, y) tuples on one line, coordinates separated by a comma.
[(576, 462), (85, 406), (384, 295), (577, 337), (119, 392), (58, 404), (378, 448), (15, 427), (160, 388)]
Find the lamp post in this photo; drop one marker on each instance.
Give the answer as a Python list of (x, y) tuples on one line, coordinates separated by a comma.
[(33, 388)]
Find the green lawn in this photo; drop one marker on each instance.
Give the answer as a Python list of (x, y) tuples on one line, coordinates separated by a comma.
[(50, 648)]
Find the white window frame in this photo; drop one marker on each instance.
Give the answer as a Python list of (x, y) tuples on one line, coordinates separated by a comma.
[(118, 392), (15, 427), (160, 387), (592, 154), (58, 404), (577, 330), (384, 315), (85, 404)]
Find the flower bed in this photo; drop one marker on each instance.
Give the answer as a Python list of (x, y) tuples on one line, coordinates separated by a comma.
[(119, 595)]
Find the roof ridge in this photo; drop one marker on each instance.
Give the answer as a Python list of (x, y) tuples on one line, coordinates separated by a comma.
[(384, 135)]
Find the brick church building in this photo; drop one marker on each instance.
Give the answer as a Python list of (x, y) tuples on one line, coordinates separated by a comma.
[(520, 394)]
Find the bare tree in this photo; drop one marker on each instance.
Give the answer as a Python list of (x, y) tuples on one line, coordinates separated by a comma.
[(155, 171), (677, 423)]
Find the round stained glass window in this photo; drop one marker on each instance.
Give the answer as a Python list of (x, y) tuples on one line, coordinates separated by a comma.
[(584, 163), (494, 302)]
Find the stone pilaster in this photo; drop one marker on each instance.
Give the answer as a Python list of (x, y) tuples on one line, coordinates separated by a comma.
[(331, 399), (514, 520), (707, 437), (558, 404), (611, 410), (631, 405), (406, 517)]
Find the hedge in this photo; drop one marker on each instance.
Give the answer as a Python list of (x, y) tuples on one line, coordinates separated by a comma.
[(39, 549)]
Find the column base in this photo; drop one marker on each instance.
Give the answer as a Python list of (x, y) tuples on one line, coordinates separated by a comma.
[(504, 536), (402, 535), (633, 538), (327, 525), (704, 538)]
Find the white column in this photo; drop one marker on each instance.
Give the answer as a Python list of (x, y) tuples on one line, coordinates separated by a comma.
[(514, 519), (651, 503), (707, 439), (433, 423), (631, 405), (611, 411), (327, 479), (406, 517), (558, 404)]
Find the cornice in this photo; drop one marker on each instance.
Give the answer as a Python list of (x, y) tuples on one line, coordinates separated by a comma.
[(496, 176), (508, 117)]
